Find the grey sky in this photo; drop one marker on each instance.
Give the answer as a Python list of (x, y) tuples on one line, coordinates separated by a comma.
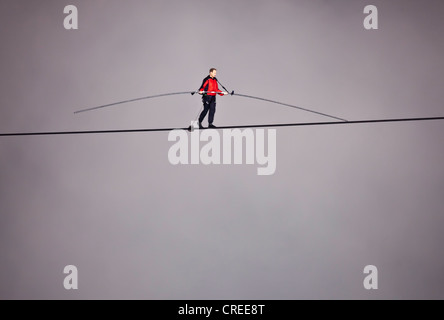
[(342, 197)]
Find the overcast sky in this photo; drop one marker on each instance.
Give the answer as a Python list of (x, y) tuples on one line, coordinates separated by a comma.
[(137, 227)]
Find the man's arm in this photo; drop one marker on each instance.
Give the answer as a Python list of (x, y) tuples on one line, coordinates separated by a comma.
[(204, 84), (221, 93)]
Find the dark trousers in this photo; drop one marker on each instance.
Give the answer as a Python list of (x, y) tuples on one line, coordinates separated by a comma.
[(209, 104)]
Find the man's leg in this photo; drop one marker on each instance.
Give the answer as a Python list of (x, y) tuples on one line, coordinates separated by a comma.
[(212, 110), (206, 107)]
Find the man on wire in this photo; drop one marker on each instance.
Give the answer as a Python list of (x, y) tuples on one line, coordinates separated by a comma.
[(208, 90)]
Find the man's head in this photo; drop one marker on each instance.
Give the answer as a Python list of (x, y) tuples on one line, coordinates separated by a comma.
[(213, 72)]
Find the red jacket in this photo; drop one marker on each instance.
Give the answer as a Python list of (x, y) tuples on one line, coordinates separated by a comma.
[(210, 84)]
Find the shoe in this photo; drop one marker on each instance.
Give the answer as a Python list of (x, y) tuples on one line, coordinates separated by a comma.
[(212, 126), (200, 125)]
